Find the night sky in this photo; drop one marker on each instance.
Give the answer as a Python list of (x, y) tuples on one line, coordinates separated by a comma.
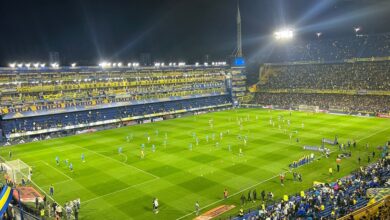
[(88, 31)]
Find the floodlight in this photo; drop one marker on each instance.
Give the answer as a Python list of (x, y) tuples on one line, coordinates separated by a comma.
[(36, 65), (12, 65), (43, 65), (357, 29), (28, 65), (196, 64), (284, 34), (206, 64), (73, 64), (318, 34), (20, 65), (119, 64)]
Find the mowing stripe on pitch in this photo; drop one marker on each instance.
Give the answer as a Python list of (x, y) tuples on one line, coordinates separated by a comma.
[(56, 169), (236, 193), (123, 163), (121, 190)]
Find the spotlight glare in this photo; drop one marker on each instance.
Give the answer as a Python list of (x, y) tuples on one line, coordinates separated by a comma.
[(284, 34), (54, 65)]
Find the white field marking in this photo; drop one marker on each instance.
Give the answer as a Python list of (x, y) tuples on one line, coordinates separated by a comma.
[(218, 201), (234, 194), (123, 163), (377, 132), (57, 183), (124, 156), (47, 195), (59, 171), (43, 191), (45, 150), (120, 190)]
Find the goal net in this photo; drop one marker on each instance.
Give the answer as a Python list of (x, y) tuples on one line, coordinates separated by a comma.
[(17, 170), (309, 108)]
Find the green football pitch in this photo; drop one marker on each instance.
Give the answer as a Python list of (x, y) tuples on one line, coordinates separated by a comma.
[(114, 185)]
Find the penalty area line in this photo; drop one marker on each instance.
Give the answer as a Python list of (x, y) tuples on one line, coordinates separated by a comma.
[(120, 190), (57, 183), (117, 161), (56, 169)]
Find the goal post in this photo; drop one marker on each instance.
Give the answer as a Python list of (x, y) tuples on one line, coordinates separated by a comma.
[(309, 108), (17, 170)]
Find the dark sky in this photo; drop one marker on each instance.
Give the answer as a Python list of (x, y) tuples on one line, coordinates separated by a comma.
[(87, 31)]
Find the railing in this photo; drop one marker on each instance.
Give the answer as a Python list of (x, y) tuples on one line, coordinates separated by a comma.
[(372, 209)]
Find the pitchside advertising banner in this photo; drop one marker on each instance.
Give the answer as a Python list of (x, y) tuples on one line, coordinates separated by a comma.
[(383, 115)]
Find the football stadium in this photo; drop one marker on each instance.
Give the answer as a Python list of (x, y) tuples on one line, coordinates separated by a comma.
[(308, 138)]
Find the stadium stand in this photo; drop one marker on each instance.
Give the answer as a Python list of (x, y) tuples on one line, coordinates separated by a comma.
[(350, 75), (330, 200), (322, 49), (35, 102)]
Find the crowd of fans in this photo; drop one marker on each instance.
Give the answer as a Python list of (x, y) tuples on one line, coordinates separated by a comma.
[(36, 91), (343, 86), (333, 102), (84, 118), (336, 76), (329, 201), (333, 49)]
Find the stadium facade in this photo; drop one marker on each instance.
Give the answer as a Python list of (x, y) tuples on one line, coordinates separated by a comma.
[(36, 102)]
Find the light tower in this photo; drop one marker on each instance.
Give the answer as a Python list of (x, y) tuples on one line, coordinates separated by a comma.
[(239, 42), (237, 73)]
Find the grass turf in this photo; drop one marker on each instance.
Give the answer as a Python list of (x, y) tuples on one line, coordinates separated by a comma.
[(122, 186)]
